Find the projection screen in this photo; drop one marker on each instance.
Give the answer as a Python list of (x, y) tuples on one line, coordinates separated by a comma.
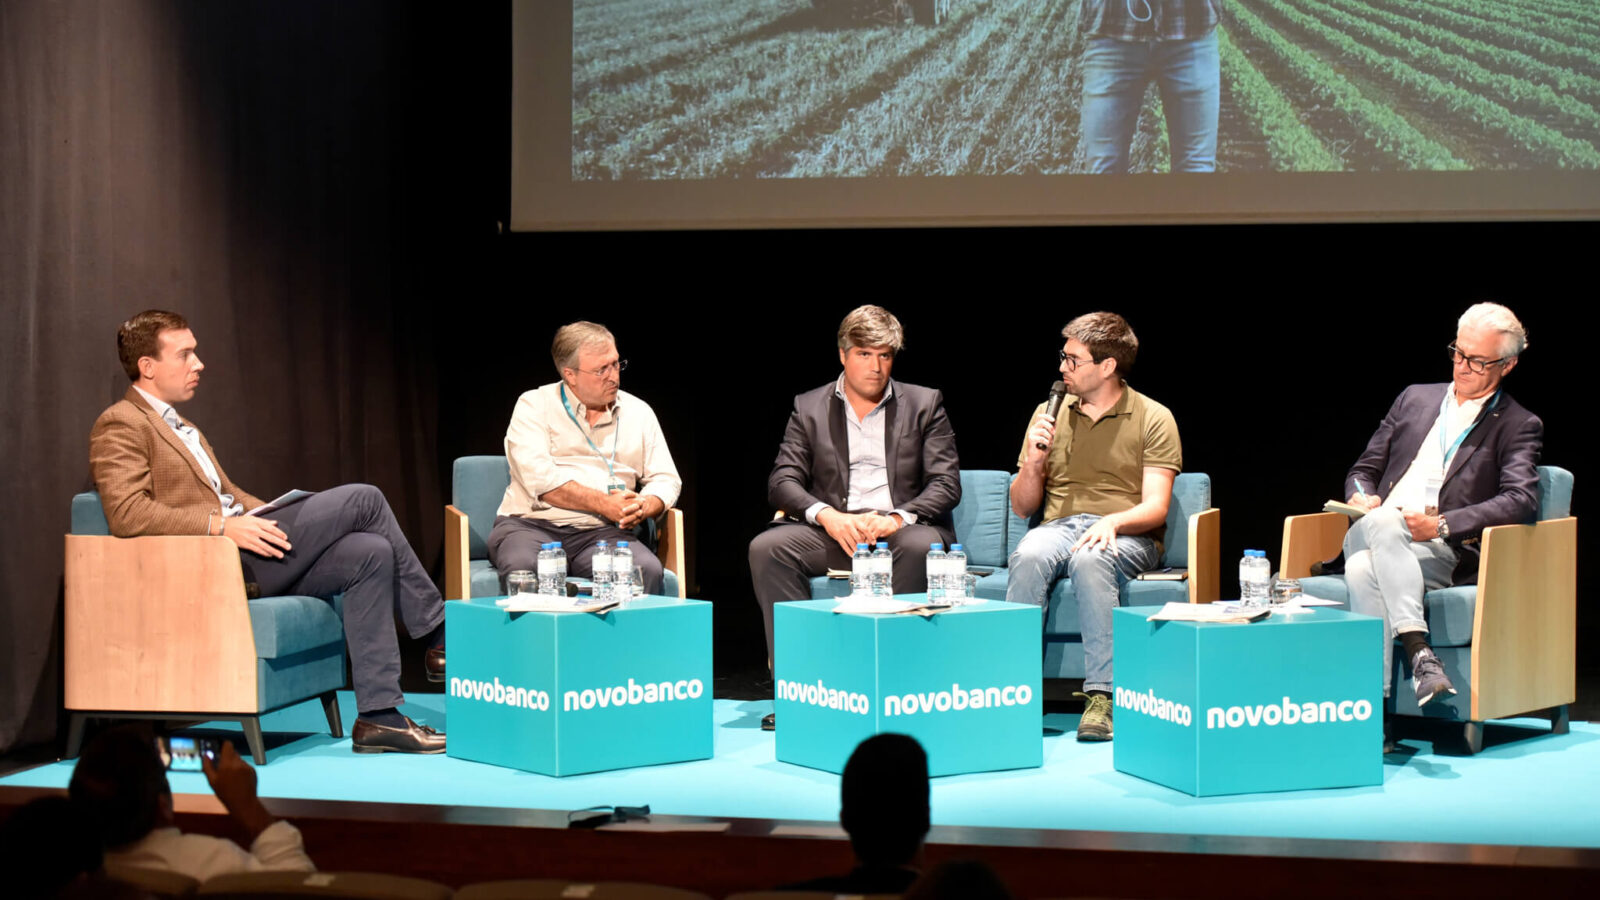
[(838, 113)]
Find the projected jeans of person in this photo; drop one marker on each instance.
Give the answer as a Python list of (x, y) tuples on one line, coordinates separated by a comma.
[(1115, 74)]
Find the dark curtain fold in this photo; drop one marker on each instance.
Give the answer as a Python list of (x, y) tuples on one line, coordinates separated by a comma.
[(230, 161)]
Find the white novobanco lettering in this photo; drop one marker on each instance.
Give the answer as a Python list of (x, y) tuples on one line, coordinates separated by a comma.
[(495, 692), (1289, 712), (1147, 703), (819, 694), (957, 699), (633, 694)]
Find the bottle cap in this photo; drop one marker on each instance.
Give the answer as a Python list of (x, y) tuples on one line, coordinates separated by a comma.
[(935, 546), (861, 546), (621, 544), (956, 547), (883, 545)]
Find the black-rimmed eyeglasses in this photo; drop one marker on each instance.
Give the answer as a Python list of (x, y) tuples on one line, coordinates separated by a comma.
[(1474, 365), (1074, 362)]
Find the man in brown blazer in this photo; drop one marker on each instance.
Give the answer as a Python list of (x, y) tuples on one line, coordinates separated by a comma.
[(157, 474)]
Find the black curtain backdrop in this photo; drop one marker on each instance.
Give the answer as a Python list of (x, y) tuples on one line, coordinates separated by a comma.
[(319, 187)]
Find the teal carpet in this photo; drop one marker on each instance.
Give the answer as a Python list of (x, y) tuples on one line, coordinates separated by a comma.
[(1527, 788)]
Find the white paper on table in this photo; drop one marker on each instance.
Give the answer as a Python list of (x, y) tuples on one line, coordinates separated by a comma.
[(828, 831), (287, 498), (1315, 601), (883, 606), (1204, 612), (548, 603)]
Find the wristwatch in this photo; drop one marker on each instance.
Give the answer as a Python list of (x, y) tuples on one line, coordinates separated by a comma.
[(1444, 529)]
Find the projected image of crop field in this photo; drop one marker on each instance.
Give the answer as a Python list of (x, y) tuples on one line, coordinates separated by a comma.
[(695, 89)]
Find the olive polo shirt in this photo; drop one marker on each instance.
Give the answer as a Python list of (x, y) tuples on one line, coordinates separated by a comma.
[(1097, 467)]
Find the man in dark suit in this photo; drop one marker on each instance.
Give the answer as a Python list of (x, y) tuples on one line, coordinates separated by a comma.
[(864, 459), (157, 474), (1448, 461)]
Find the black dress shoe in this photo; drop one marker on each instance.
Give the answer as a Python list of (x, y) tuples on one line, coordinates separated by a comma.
[(370, 737), (433, 662), (769, 722)]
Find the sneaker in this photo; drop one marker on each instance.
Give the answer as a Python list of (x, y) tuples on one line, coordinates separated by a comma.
[(1427, 676), (1095, 725)]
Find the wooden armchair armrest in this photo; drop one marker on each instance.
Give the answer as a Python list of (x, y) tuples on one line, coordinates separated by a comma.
[(1205, 546), (158, 624), (674, 549), (1310, 539), (457, 555), (1524, 633)]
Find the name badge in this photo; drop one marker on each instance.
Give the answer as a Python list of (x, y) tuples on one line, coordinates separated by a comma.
[(616, 485), (1430, 496)]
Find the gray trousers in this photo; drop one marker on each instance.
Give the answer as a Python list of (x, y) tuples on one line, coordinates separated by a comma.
[(514, 544), (784, 559), (346, 541), (1388, 572)]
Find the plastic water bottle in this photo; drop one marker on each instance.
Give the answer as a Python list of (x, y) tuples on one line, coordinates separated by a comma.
[(882, 571), (547, 569), (600, 566), (936, 572), (622, 586), (861, 572), (559, 554), (955, 575), (1254, 579)]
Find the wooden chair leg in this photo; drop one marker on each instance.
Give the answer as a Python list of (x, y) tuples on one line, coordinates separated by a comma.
[(75, 728), (253, 739), (1473, 732), (1558, 720), (330, 707)]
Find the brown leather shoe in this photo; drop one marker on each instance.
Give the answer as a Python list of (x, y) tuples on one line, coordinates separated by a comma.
[(433, 662), (370, 737)]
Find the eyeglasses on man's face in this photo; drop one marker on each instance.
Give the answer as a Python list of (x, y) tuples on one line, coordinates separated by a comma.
[(1474, 365), (613, 369), (1072, 362)]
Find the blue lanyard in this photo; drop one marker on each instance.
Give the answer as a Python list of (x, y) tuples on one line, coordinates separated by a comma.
[(568, 407), (1444, 406)]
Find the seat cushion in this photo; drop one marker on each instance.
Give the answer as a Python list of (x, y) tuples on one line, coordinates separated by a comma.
[(1448, 611), (284, 626)]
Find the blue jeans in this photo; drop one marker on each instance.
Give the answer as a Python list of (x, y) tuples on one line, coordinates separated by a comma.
[(1045, 554), (1115, 73)]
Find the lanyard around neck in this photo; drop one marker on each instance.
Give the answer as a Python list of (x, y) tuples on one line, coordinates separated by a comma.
[(1444, 408), (568, 407)]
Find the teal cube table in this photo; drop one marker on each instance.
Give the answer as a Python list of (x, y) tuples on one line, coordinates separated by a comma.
[(566, 693), (1288, 703), (964, 682)]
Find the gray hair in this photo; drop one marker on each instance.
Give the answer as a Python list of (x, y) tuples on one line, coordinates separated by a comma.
[(574, 337), (1494, 317), (871, 326)]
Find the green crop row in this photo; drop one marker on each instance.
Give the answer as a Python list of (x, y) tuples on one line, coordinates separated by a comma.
[(1545, 144), (1292, 146), (1389, 132), (1528, 95)]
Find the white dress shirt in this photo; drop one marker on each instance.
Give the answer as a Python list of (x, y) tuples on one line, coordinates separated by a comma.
[(191, 439), (279, 848), (547, 447)]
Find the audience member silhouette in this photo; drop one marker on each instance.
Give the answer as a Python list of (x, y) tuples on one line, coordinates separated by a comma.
[(884, 809)]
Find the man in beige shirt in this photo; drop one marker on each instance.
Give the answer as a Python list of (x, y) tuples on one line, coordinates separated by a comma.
[(588, 463), (1104, 478)]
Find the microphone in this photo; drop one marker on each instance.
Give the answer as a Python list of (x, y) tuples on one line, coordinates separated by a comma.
[(1058, 392)]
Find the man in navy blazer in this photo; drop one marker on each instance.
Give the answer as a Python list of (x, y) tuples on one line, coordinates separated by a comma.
[(1448, 461), (864, 459)]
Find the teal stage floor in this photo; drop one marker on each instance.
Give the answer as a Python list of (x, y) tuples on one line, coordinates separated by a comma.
[(1527, 788)]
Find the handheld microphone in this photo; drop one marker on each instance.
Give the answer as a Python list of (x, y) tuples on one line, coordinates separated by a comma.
[(1058, 392)]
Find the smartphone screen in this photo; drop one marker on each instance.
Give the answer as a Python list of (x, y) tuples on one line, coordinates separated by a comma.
[(181, 753)]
